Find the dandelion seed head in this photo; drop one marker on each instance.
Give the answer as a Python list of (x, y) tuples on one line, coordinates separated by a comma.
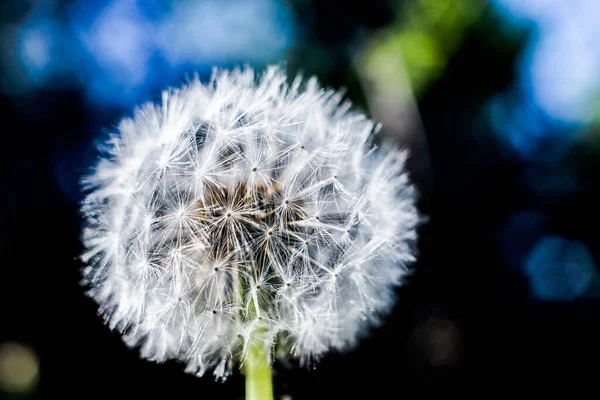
[(242, 205)]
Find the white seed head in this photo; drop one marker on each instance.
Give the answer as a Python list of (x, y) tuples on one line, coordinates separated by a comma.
[(246, 205)]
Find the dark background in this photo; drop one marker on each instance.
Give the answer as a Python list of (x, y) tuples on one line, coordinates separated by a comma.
[(505, 291)]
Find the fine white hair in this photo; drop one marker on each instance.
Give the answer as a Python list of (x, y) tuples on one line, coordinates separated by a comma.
[(246, 205)]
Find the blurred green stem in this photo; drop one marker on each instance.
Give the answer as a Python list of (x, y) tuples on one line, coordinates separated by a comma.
[(259, 384)]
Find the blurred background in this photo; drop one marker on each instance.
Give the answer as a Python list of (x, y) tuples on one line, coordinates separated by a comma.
[(498, 101)]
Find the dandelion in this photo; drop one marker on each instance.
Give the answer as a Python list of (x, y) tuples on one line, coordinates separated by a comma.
[(243, 220)]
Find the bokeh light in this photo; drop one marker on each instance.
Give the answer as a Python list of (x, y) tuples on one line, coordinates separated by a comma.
[(561, 64), (558, 76), (438, 341), (121, 52), (518, 234), (561, 269), (19, 369)]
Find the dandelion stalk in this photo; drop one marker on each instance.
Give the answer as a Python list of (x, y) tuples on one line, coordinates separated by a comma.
[(257, 369)]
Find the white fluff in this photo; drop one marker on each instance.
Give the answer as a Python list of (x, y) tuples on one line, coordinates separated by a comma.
[(246, 205)]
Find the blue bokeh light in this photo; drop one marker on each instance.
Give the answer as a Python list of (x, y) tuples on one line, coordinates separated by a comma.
[(518, 234), (115, 41), (558, 77), (526, 130), (561, 64), (120, 52), (560, 270), (39, 49)]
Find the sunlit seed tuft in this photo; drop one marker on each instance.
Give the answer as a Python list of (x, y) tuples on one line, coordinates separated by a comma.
[(246, 205)]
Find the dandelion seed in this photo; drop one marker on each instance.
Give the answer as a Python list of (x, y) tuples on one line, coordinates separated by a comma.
[(246, 211)]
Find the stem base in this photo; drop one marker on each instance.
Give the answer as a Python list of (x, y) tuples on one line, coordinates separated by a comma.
[(259, 381)]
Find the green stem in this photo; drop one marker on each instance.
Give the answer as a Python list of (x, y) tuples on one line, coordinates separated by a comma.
[(259, 383)]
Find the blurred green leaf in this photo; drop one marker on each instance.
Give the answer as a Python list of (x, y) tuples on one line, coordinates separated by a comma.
[(425, 34)]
